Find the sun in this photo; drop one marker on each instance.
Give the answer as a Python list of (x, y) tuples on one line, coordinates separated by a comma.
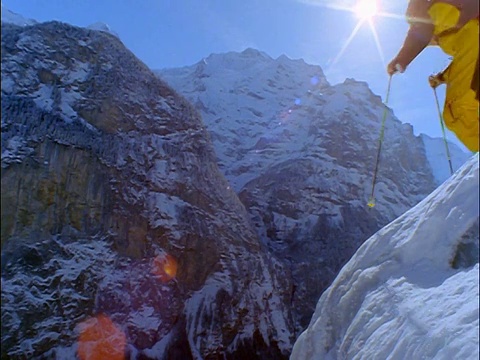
[(366, 9)]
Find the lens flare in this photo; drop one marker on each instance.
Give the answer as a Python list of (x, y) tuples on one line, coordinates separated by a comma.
[(164, 267), (100, 339)]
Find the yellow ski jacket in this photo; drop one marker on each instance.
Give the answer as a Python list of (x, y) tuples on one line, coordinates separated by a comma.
[(461, 112), (437, 22)]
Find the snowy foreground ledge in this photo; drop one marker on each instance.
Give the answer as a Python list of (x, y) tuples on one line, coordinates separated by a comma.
[(399, 297)]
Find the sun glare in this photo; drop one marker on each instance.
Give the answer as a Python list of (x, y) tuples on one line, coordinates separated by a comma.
[(366, 9)]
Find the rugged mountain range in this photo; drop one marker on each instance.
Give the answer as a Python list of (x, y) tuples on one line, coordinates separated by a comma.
[(205, 231), (301, 154)]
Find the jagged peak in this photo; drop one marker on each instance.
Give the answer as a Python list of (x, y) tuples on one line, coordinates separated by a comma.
[(285, 58), (359, 87), (357, 83), (249, 59), (236, 61), (251, 52), (13, 18)]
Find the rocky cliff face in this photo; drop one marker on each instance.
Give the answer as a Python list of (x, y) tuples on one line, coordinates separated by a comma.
[(107, 173), (301, 154)]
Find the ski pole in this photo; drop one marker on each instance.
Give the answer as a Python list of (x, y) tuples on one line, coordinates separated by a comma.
[(371, 202), (443, 130)]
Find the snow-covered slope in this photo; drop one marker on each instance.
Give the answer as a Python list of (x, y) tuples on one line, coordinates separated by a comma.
[(438, 157), (101, 26), (412, 290)]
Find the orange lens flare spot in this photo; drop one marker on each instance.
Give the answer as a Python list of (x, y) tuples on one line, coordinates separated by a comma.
[(101, 339), (164, 267)]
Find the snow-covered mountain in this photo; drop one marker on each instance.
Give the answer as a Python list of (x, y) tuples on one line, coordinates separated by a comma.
[(253, 105), (301, 154), (412, 290), (438, 156), (113, 205)]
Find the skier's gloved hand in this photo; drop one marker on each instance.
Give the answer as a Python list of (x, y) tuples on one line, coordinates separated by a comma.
[(436, 80), (394, 67)]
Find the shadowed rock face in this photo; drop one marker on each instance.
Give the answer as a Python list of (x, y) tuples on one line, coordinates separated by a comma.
[(314, 215), (104, 167)]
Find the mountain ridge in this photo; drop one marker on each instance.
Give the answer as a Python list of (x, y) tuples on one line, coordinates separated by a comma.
[(306, 89)]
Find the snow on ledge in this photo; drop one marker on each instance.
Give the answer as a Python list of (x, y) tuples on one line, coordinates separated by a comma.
[(100, 26), (398, 297), (13, 18)]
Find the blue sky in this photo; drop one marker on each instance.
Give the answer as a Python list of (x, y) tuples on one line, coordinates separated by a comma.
[(174, 33)]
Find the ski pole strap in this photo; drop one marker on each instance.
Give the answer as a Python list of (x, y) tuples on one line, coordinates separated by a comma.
[(443, 130), (371, 202)]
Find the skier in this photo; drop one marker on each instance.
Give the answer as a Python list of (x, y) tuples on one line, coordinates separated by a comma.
[(452, 25)]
